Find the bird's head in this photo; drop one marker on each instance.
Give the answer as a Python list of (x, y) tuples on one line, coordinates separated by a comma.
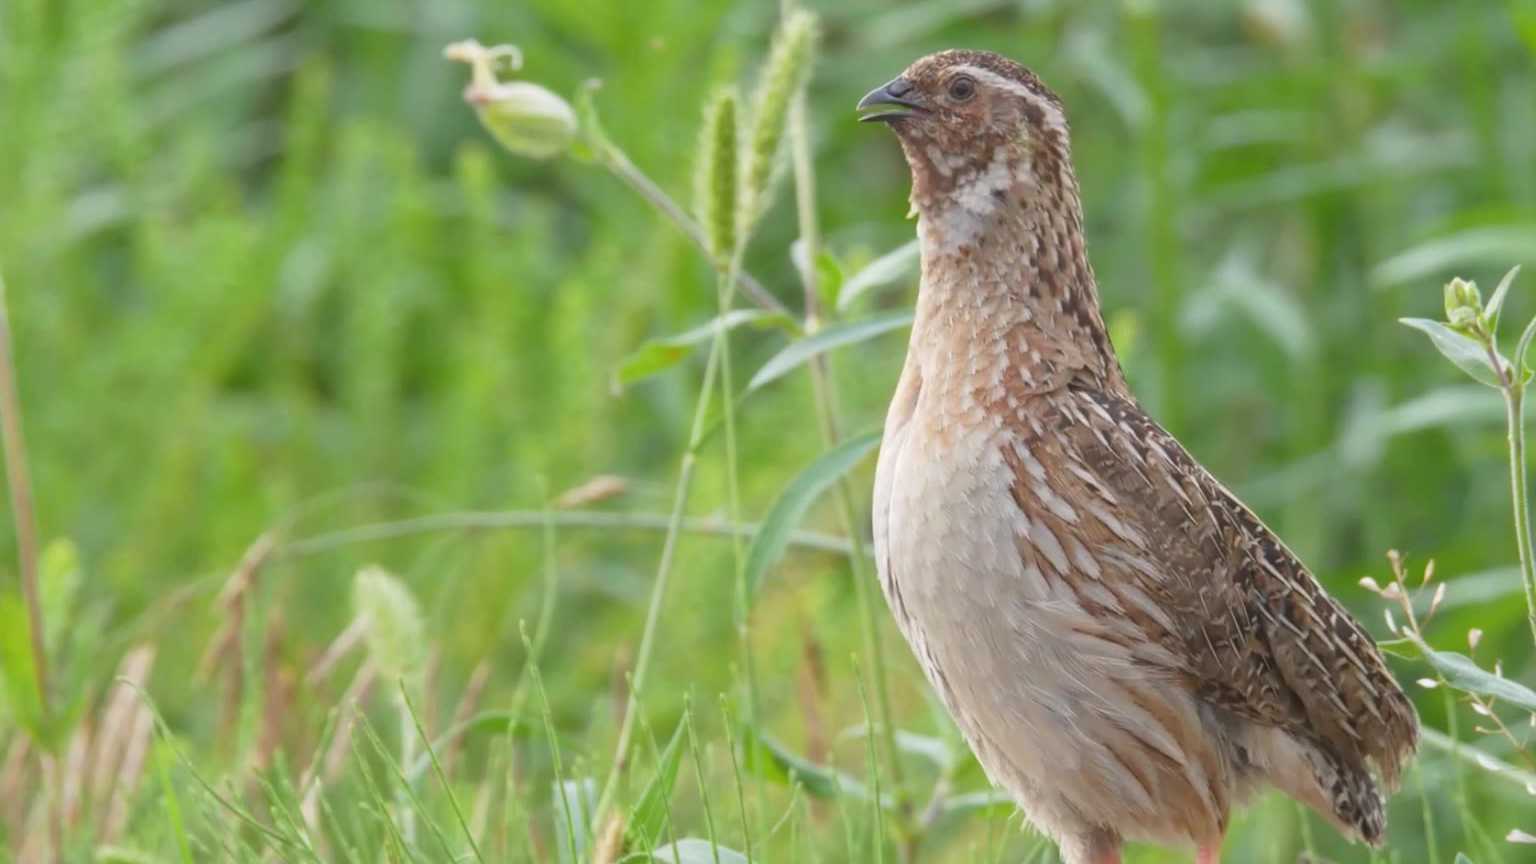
[(973, 123)]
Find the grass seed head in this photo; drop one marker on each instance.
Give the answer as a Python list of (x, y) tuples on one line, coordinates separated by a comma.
[(394, 635), (715, 185), (786, 67)]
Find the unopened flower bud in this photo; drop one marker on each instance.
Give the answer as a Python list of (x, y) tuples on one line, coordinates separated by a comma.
[(525, 118), (1463, 304)]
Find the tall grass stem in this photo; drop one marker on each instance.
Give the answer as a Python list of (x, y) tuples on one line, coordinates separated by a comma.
[(659, 588), (1514, 403), (826, 412), (19, 483)]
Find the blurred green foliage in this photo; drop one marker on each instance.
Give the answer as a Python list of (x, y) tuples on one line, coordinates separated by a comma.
[(264, 270)]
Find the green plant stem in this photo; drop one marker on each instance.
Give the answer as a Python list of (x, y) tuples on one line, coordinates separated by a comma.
[(1486, 764), (615, 160), (403, 810), (728, 279), (821, 383), (491, 520), (659, 589), (20, 485), (1514, 403)]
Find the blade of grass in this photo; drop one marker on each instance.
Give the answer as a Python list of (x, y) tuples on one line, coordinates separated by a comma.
[(437, 768)]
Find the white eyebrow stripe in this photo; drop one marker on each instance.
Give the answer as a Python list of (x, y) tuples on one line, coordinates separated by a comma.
[(1053, 116), (996, 80)]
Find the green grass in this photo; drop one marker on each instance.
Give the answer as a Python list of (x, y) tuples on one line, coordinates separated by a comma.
[(266, 278)]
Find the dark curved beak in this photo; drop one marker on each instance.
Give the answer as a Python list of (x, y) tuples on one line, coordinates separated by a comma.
[(893, 101)]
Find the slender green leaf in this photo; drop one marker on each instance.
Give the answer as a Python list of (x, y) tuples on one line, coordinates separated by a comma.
[(59, 585), (780, 765), (1464, 351), (18, 673), (898, 263), (828, 273), (1269, 306), (773, 535), (1461, 858), (692, 850), (1444, 743), (1403, 648), (990, 800), (1502, 243), (504, 722), (574, 801), (660, 354), (1491, 308), (799, 352), (1523, 347), (1462, 673), (650, 813), (929, 748)]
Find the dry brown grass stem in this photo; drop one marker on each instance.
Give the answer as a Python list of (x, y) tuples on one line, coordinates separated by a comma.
[(333, 654), (469, 703)]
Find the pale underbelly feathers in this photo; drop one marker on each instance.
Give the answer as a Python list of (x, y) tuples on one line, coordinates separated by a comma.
[(1058, 712)]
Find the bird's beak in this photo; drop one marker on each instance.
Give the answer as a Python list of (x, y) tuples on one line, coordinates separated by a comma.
[(893, 99)]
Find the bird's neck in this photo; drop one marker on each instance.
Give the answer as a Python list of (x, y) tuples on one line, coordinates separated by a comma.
[(1007, 286)]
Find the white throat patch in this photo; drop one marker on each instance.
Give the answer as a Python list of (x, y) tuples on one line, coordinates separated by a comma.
[(967, 213)]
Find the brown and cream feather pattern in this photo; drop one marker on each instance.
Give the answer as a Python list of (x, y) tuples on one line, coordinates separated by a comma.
[(1126, 647)]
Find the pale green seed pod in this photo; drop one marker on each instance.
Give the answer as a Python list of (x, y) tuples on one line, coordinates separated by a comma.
[(392, 621), (787, 64), (525, 118), (1463, 304), (716, 178)]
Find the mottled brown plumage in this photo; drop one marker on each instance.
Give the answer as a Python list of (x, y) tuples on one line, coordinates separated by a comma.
[(1125, 646)]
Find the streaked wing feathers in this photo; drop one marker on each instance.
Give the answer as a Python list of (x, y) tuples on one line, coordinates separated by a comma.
[(1254, 631)]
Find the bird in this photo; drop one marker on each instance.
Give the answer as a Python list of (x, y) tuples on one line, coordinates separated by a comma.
[(1125, 647)]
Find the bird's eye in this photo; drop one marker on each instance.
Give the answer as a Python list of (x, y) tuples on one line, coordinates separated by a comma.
[(962, 88)]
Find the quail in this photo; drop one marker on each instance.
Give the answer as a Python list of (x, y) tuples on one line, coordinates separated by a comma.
[(1126, 648)]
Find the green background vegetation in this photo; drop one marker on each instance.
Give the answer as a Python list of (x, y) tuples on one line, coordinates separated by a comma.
[(264, 272)]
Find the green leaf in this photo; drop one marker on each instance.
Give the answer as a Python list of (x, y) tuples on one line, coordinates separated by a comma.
[(692, 850), (574, 801), (1501, 243), (650, 813), (59, 586), (829, 274), (1240, 288), (803, 489), (1491, 308), (592, 143), (1523, 347), (18, 673), (1403, 648), (1464, 351), (893, 265), (990, 801), (1489, 764), (657, 355), (506, 722), (779, 765), (1461, 858), (932, 749), (799, 352), (1465, 675)]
